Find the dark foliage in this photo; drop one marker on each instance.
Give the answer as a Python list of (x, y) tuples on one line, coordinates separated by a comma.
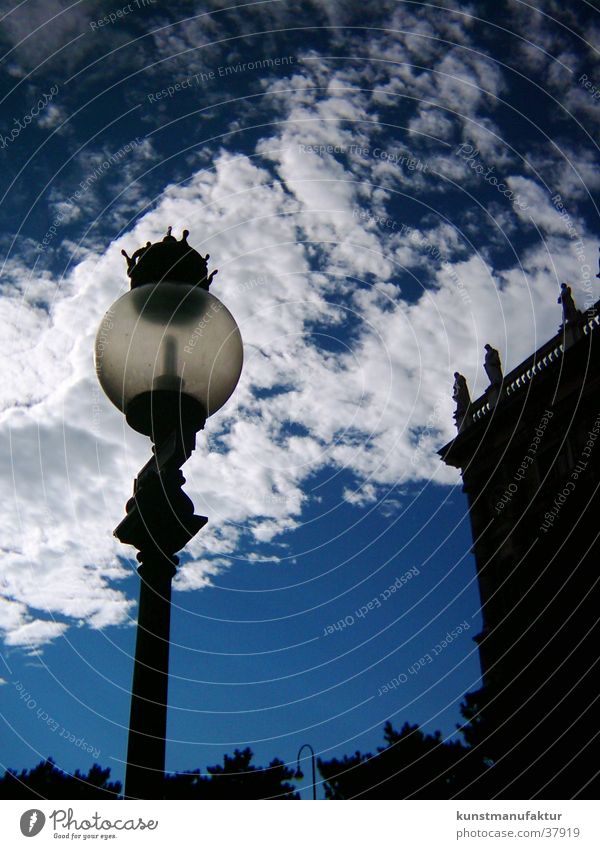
[(46, 781), (412, 765), (533, 749), (236, 779)]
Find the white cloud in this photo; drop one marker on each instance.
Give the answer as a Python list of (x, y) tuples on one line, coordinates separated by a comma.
[(52, 117), (342, 367), (35, 633), (41, 27), (366, 494)]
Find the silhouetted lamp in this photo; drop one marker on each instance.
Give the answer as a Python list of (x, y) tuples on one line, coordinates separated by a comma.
[(174, 353), (168, 355), (300, 775)]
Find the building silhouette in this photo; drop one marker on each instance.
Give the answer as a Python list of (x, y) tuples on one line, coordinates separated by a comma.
[(529, 455)]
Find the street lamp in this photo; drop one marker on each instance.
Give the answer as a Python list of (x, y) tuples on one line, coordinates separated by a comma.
[(168, 355), (299, 773)]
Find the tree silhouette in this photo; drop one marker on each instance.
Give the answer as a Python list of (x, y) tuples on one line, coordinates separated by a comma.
[(46, 781), (236, 779), (528, 757), (412, 765)]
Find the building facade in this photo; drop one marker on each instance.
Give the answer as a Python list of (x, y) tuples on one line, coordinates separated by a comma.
[(529, 454)]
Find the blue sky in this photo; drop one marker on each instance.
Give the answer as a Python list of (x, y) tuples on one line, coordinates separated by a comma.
[(384, 190)]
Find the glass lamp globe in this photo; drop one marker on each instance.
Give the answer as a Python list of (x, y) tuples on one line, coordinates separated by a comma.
[(168, 353)]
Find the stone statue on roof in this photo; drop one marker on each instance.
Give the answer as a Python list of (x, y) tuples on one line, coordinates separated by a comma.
[(493, 366), (571, 314), (460, 393)]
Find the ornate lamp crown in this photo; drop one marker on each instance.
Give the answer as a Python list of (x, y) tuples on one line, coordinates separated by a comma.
[(169, 260)]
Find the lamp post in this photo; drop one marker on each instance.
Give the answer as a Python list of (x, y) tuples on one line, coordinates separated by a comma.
[(299, 771), (168, 355)]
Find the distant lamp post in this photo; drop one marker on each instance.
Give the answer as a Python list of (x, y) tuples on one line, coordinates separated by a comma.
[(299, 773), (168, 355)]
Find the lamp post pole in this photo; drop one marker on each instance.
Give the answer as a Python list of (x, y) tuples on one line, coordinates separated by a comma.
[(170, 324), (160, 520), (148, 719), (156, 522)]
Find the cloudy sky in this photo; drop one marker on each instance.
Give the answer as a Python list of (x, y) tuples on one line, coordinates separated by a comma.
[(384, 189)]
